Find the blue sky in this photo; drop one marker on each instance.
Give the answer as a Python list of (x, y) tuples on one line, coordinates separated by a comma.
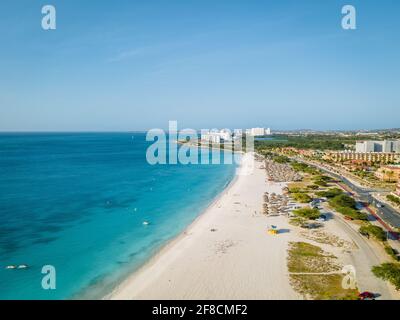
[(134, 65)]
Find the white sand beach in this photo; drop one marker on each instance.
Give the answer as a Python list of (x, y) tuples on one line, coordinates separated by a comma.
[(225, 254)]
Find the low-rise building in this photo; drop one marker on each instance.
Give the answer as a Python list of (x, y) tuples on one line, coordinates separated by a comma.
[(397, 192), (388, 173), (372, 157)]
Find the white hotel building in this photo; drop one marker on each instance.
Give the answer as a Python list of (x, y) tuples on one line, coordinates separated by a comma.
[(385, 146), (226, 135), (258, 132), (217, 136)]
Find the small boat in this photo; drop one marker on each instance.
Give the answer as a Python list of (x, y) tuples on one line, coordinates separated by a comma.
[(11, 267), (22, 266), (146, 223)]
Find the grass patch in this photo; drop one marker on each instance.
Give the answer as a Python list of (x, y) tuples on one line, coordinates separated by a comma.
[(307, 258), (330, 193), (302, 167), (322, 287), (307, 213), (281, 159), (392, 252), (301, 197), (353, 213), (297, 221), (393, 199), (389, 272), (374, 231), (343, 201)]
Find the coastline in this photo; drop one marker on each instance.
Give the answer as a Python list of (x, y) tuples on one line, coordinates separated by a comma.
[(174, 240), (229, 237)]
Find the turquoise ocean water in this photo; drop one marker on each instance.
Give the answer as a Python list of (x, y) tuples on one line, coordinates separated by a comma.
[(78, 202)]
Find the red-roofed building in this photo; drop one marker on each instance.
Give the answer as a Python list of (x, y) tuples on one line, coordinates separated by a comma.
[(397, 192)]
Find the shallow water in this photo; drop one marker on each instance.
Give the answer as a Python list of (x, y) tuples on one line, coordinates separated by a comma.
[(78, 202)]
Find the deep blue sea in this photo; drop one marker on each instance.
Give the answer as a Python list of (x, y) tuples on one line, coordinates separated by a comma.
[(78, 202)]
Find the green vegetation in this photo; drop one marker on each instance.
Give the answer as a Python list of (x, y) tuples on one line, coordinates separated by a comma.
[(299, 167), (374, 231), (318, 142), (294, 190), (322, 287), (346, 205), (392, 252), (352, 213), (390, 272), (313, 187), (308, 259), (301, 197), (330, 193), (302, 167), (323, 178), (393, 198), (314, 141), (281, 159), (307, 213), (297, 221), (321, 183), (305, 257), (343, 200)]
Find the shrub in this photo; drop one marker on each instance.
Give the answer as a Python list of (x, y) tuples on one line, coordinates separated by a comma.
[(281, 159), (392, 252), (313, 187), (294, 190), (302, 197), (375, 231), (302, 167), (343, 200), (390, 272), (331, 193), (323, 178), (393, 198), (308, 213), (321, 183), (346, 205), (297, 166), (353, 213)]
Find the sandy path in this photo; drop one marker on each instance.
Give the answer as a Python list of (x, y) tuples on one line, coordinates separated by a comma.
[(237, 261)]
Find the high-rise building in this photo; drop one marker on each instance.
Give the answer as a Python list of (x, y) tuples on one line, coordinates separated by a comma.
[(386, 146), (217, 136)]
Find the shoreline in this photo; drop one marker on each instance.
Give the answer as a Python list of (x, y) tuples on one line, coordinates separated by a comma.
[(219, 238), (175, 239)]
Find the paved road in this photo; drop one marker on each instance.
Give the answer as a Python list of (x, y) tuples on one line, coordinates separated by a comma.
[(387, 214), (364, 259)]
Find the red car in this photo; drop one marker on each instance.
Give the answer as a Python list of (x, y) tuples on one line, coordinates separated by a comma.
[(366, 295), (348, 218)]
